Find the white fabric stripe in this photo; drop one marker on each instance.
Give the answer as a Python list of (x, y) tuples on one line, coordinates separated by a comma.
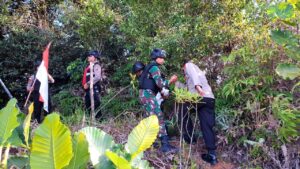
[(42, 76)]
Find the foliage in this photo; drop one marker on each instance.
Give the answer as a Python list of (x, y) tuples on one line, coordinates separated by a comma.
[(51, 144), (80, 152), (94, 22), (9, 122), (124, 101), (52, 141), (98, 141), (67, 102), (18, 52), (287, 15), (288, 116), (183, 95)]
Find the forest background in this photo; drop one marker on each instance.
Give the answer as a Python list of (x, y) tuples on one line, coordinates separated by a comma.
[(249, 49)]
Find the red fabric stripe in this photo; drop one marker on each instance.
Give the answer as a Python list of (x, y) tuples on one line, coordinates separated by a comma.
[(46, 56), (84, 75)]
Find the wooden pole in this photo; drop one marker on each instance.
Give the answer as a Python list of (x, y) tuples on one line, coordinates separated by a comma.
[(92, 113), (29, 93), (6, 90)]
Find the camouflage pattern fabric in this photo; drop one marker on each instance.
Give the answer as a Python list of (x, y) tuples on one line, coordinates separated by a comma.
[(156, 75), (150, 104), (148, 99)]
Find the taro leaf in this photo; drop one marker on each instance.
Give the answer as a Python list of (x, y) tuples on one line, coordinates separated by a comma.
[(288, 71), (81, 154), (19, 162), (98, 142), (142, 136), (284, 37), (8, 120), (284, 11), (51, 144), (118, 161)]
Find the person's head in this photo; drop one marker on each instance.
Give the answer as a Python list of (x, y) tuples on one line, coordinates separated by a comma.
[(185, 61), (37, 63), (93, 55), (158, 55), (137, 68)]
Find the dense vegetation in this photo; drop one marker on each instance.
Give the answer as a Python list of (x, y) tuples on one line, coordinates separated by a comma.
[(249, 49)]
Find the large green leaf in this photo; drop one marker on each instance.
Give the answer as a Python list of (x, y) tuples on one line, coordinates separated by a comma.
[(119, 162), (19, 162), (17, 137), (288, 71), (142, 136), (8, 120), (98, 141), (282, 10), (26, 124), (80, 152), (293, 52), (51, 144), (139, 163), (284, 37)]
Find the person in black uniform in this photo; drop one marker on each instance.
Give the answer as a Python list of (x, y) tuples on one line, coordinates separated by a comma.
[(33, 86), (92, 57)]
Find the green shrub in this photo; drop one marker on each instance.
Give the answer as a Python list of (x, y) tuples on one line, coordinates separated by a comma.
[(67, 103)]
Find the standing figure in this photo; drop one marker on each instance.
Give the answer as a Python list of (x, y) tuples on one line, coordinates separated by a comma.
[(92, 57), (150, 83), (196, 82), (33, 86)]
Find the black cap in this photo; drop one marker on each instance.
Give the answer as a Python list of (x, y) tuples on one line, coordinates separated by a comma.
[(94, 53)]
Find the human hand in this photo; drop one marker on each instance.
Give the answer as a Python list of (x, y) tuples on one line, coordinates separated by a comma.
[(165, 92), (86, 86), (200, 90), (173, 79)]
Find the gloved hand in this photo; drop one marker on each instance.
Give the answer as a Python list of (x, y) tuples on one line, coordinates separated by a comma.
[(165, 92)]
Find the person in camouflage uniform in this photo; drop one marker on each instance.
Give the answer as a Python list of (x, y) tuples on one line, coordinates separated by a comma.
[(150, 83)]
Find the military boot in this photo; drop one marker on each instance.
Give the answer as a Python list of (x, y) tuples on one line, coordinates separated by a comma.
[(210, 158), (165, 145)]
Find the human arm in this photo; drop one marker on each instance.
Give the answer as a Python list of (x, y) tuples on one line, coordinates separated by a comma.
[(156, 75), (29, 86), (51, 80)]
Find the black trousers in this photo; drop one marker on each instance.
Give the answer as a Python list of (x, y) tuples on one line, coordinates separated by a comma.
[(96, 101), (38, 106), (206, 114)]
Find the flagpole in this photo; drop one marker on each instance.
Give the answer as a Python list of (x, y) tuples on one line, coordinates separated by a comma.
[(29, 93), (6, 90)]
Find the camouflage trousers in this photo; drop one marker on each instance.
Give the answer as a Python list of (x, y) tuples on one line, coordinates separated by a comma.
[(152, 107)]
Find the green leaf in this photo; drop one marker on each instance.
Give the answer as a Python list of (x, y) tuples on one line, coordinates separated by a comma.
[(288, 71), (80, 152), (139, 163), (17, 137), (284, 37), (293, 52), (8, 120), (26, 124), (98, 141), (19, 162), (51, 144), (142, 136), (118, 161), (284, 10)]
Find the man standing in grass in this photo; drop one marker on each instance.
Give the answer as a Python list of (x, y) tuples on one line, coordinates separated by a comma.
[(197, 83)]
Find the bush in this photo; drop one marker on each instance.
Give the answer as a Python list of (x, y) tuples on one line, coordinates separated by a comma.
[(67, 103)]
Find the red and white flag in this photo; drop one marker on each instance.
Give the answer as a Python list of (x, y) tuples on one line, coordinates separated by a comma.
[(42, 76)]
